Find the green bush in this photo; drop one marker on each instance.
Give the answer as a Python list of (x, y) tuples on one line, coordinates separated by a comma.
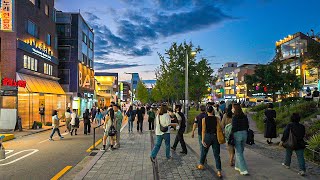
[(314, 142), (259, 107), (313, 129), (39, 124), (292, 99), (48, 123)]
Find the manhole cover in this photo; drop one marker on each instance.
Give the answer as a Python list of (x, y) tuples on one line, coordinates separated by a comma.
[(93, 153)]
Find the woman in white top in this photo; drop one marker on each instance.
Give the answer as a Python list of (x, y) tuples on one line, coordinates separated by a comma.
[(55, 125), (74, 122), (165, 120)]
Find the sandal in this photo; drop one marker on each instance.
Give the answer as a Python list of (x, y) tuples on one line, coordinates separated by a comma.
[(219, 174), (200, 167)]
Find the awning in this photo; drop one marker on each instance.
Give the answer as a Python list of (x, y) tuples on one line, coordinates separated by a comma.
[(40, 85)]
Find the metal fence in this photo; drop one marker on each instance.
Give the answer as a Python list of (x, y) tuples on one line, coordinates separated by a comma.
[(312, 155)]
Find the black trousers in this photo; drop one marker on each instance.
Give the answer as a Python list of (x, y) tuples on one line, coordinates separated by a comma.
[(139, 125), (151, 125), (87, 127), (179, 138)]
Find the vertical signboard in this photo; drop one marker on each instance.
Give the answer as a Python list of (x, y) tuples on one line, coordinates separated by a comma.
[(6, 15)]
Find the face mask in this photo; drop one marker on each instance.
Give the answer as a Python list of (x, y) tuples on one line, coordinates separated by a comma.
[(233, 110)]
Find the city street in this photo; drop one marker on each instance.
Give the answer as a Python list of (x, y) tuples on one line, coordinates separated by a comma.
[(35, 157)]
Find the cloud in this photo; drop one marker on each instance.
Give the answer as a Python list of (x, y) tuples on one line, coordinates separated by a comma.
[(98, 66)]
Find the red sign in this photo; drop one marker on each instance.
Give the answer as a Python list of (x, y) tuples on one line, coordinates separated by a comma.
[(12, 82)]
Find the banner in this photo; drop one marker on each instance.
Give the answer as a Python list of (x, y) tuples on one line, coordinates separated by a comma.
[(6, 15)]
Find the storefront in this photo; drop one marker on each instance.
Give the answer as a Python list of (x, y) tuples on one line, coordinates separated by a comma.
[(39, 91)]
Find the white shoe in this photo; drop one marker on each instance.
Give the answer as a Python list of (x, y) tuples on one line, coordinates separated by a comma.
[(284, 165), (244, 173), (237, 169), (302, 173)]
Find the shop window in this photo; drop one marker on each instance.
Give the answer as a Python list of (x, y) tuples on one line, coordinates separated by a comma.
[(48, 39), (33, 1), (30, 63), (46, 9), (32, 29), (47, 69), (231, 82)]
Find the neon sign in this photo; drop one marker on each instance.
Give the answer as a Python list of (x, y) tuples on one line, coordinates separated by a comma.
[(6, 15), (41, 54), (12, 82)]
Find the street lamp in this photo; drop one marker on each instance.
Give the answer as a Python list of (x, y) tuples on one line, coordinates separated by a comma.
[(131, 86), (186, 95)]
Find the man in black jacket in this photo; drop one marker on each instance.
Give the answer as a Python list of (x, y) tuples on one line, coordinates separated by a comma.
[(140, 113), (182, 127)]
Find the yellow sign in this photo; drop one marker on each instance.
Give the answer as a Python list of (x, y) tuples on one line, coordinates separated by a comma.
[(7, 16), (286, 39)]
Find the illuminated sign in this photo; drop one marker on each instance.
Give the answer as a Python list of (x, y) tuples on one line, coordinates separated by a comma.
[(41, 54), (6, 15), (286, 39), (12, 82), (86, 77)]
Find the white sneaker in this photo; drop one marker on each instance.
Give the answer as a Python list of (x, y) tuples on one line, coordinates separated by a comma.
[(284, 165), (244, 173), (302, 173), (237, 169)]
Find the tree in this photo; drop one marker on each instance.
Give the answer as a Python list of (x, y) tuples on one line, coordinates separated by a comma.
[(171, 73), (142, 92), (273, 78)]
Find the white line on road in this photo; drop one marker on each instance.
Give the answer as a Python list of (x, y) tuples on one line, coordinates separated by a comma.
[(48, 139), (8, 151), (29, 154)]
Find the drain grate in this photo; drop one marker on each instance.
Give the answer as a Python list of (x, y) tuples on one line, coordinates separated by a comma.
[(93, 153)]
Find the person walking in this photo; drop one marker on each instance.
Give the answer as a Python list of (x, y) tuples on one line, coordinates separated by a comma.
[(118, 123), (226, 124), (151, 117), (93, 114), (75, 122), (140, 115), (42, 113), (99, 116), (130, 115), (240, 126), (210, 125), (162, 131), (182, 127), (67, 115), (86, 122), (198, 123), (315, 96), (107, 124), (55, 125), (298, 131), (270, 130)]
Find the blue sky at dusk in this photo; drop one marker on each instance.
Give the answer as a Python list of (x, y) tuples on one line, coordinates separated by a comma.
[(129, 33)]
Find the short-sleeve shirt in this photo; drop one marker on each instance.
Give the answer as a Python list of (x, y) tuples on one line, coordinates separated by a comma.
[(118, 119), (198, 120), (165, 121)]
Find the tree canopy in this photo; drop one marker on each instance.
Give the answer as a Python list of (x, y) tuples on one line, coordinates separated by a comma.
[(142, 93)]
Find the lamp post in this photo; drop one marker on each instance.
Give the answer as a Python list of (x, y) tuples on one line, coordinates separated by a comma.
[(186, 90), (131, 86)]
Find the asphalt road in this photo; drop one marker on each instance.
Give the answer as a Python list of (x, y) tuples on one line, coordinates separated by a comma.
[(34, 157)]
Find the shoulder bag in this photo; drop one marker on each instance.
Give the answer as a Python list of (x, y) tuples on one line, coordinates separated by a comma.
[(291, 142), (163, 128), (220, 135), (112, 130)]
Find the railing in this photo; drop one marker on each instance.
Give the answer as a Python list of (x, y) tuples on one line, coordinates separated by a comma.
[(94, 137), (312, 155)]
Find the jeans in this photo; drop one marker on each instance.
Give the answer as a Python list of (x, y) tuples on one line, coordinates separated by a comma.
[(200, 142), (156, 148), (118, 137), (151, 125), (99, 121), (87, 127), (240, 138), (179, 138), (139, 125), (53, 131), (300, 157), (211, 140), (130, 123)]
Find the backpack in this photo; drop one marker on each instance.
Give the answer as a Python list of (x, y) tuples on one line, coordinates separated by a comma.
[(112, 130), (152, 115), (250, 137)]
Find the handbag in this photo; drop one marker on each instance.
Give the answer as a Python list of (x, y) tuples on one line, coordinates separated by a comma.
[(112, 130), (250, 137), (220, 135), (163, 128), (291, 142)]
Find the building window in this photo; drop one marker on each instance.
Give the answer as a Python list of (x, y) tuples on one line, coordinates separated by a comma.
[(46, 9), (54, 13), (30, 63), (33, 29), (91, 45), (47, 69), (63, 30), (64, 53), (84, 38), (33, 1), (48, 39)]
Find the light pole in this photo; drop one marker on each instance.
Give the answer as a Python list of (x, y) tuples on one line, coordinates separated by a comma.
[(131, 87), (186, 90)]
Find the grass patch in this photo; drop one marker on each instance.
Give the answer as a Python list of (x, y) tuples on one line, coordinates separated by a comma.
[(192, 114)]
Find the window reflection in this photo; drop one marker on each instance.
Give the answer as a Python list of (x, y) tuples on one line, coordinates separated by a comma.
[(294, 48)]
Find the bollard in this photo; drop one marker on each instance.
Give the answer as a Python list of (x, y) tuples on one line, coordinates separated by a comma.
[(94, 137)]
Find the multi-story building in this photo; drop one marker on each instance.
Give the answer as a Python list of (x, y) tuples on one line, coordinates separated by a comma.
[(76, 49), (29, 63), (293, 51), (242, 93), (107, 88)]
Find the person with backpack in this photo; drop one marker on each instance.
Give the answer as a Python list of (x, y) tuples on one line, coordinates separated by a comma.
[(211, 128), (270, 130), (75, 122), (108, 125), (55, 125), (86, 122), (292, 140), (151, 117), (67, 115), (226, 124), (182, 127), (163, 123), (240, 126)]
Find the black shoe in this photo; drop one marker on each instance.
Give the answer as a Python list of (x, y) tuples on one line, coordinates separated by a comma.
[(153, 159), (75, 134), (183, 152), (71, 134), (173, 149)]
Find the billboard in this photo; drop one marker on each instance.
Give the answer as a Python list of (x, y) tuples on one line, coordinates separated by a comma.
[(6, 15)]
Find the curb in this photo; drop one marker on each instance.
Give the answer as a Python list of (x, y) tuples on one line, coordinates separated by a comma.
[(155, 166), (7, 137)]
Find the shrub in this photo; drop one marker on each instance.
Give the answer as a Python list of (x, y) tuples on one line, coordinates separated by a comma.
[(313, 129), (259, 107), (48, 123), (314, 142)]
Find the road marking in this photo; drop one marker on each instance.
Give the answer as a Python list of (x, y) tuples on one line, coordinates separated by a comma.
[(9, 151), (29, 154), (61, 173), (95, 144), (48, 139)]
